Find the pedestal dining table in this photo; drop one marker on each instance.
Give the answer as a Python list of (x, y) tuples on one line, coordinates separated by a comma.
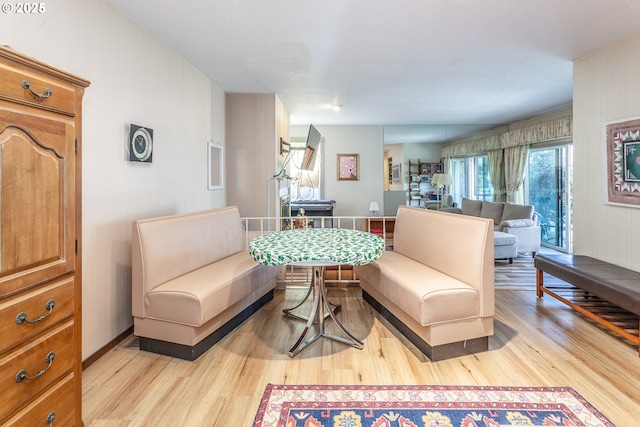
[(318, 248)]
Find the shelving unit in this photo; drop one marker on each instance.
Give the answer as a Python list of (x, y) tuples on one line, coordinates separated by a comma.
[(420, 174)]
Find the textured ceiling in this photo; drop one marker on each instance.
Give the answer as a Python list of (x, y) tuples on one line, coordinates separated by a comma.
[(392, 62)]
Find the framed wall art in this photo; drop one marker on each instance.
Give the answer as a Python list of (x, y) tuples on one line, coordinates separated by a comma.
[(622, 158), (215, 166), (348, 167), (395, 173)]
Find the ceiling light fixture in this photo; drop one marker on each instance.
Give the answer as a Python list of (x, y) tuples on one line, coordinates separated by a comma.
[(336, 107)]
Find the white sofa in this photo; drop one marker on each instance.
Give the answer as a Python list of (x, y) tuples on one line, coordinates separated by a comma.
[(510, 218), (193, 282), (437, 285)]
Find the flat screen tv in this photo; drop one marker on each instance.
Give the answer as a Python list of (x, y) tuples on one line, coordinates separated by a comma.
[(311, 149)]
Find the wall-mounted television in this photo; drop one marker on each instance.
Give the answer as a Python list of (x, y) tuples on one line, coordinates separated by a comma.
[(311, 149)]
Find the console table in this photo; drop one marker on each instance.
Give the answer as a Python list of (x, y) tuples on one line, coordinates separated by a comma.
[(318, 248)]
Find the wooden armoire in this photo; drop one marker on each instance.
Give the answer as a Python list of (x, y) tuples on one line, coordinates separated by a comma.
[(40, 238)]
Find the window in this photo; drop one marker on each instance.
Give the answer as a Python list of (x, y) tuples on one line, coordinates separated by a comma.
[(471, 179), (547, 187), (306, 184)]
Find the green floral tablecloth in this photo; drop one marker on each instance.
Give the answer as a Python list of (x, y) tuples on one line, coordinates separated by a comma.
[(316, 246)]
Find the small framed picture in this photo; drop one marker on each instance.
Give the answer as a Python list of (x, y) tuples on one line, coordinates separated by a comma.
[(215, 166), (348, 167), (395, 173)]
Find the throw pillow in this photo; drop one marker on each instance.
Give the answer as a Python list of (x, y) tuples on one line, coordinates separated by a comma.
[(471, 207), (516, 223), (514, 211), (492, 210)]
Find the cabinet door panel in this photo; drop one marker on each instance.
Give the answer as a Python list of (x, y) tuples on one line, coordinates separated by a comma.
[(37, 227)]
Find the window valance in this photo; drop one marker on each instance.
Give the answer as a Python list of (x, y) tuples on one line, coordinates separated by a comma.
[(559, 128), (474, 146), (542, 132)]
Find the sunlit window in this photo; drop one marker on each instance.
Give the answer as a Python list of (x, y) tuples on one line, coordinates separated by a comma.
[(471, 179), (306, 184)]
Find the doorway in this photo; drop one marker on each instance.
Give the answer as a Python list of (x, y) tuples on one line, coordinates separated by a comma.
[(549, 188)]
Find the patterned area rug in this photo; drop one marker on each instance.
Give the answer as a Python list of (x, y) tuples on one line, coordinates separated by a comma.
[(424, 406)]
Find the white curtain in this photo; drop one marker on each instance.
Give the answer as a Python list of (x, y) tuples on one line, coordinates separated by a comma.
[(515, 164), (496, 172)]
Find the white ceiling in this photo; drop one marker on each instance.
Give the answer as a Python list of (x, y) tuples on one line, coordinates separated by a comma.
[(392, 62)]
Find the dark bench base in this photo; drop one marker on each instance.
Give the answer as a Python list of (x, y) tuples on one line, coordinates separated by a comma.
[(434, 353), (606, 293), (191, 353)]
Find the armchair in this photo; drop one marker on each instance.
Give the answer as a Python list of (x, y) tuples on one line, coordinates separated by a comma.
[(527, 232)]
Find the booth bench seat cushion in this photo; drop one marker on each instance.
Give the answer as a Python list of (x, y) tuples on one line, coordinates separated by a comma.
[(193, 298), (425, 294)]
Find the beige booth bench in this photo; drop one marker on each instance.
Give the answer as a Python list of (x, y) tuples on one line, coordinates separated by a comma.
[(437, 285), (193, 282)]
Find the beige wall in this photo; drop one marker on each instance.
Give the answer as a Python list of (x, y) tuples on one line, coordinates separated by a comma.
[(255, 124), (606, 88), (134, 79)]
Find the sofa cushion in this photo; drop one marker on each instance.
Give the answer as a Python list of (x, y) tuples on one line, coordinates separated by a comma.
[(504, 239), (516, 223), (492, 210), (514, 211), (471, 207)]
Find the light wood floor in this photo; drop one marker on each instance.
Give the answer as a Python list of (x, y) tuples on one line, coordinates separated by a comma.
[(536, 343)]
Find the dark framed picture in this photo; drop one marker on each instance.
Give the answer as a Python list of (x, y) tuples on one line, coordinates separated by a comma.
[(622, 158), (348, 167), (395, 173)]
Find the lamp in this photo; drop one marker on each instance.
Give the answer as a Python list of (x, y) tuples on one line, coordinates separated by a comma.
[(373, 207), (434, 183), (443, 181)]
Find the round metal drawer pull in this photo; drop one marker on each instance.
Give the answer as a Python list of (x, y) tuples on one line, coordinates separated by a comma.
[(51, 417), (22, 317), (22, 375), (47, 92)]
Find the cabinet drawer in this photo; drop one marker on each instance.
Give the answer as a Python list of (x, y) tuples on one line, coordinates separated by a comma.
[(56, 405), (61, 99), (32, 360), (40, 308)]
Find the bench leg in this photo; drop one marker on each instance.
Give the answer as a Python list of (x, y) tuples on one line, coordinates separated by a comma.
[(539, 283)]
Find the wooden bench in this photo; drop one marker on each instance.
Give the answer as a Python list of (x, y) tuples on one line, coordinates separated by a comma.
[(610, 294)]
